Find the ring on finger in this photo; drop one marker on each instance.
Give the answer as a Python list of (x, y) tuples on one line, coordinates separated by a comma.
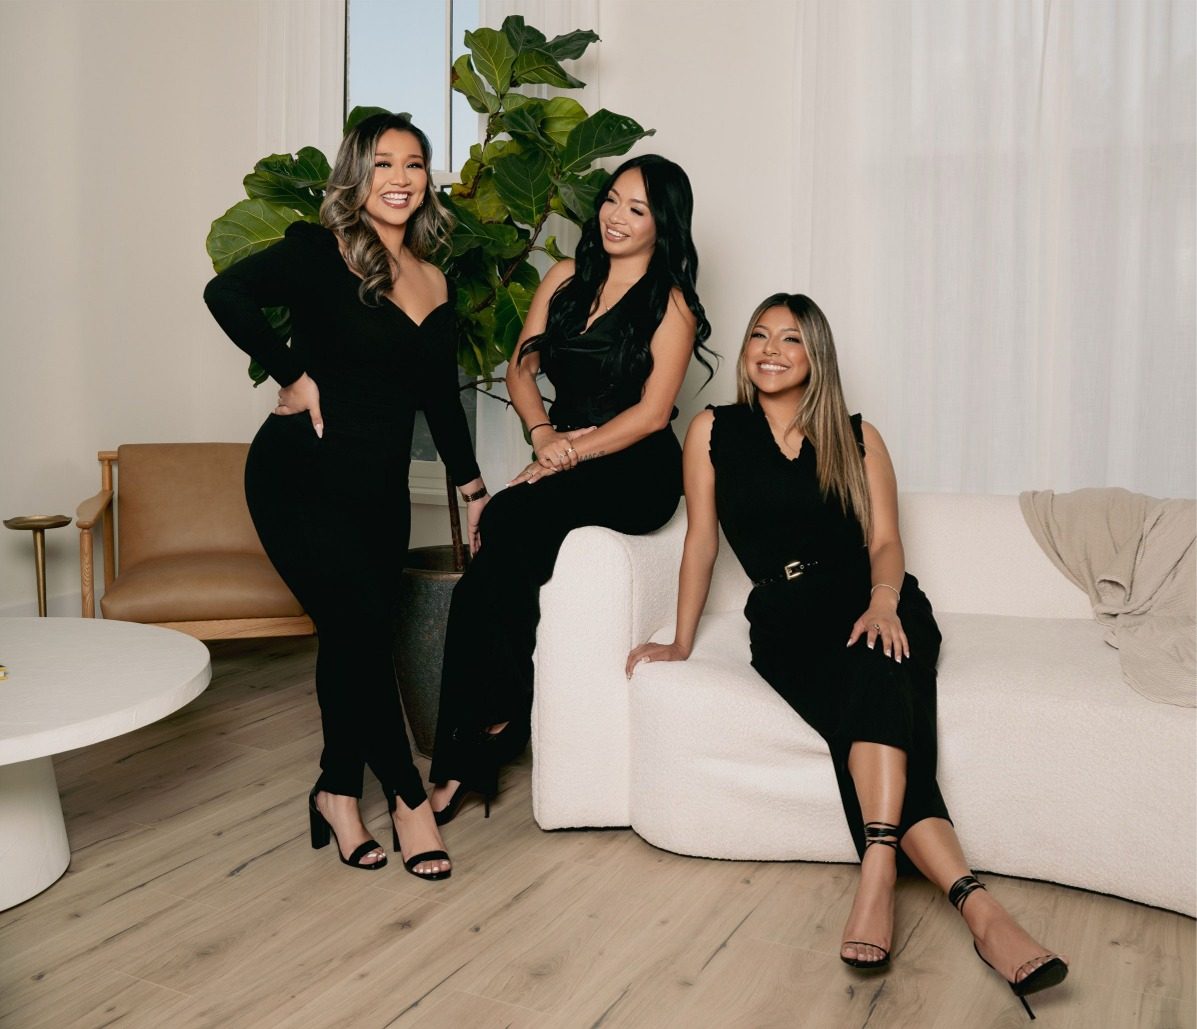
[(877, 626)]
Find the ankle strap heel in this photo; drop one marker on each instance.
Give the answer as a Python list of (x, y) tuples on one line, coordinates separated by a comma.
[(1051, 970), (960, 890), (881, 833)]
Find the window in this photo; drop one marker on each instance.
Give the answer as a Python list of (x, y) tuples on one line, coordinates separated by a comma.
[(398, 56)]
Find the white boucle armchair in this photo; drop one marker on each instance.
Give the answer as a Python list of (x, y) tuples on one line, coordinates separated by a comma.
[(1051, 766)]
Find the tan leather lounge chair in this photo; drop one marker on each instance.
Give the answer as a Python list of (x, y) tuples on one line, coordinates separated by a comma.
[(189, 557)]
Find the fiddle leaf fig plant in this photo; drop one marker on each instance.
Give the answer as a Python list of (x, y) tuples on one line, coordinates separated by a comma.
[(535, 160)]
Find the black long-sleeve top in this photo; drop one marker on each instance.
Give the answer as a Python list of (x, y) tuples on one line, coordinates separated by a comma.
[(374, 366)]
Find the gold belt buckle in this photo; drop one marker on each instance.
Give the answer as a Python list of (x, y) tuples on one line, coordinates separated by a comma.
[(794, 570)]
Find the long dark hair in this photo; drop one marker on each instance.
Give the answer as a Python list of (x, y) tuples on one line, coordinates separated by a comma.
[(674, 263), (344, 207)]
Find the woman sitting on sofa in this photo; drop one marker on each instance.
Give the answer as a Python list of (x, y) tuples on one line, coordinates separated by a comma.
[(807, 498)]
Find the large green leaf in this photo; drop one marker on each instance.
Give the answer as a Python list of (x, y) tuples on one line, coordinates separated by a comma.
[(360, 114), (527, 276), (540, 66), (519, 35), (525, 123), (487, 203), (497, 148), (603, 134), (570, 45), (561, 114), (468, 233), (511, 308), (293, 181), (494, 57), (505, 240), (465, 80), (525, 183), (245, 228), (579, 192), (309, 168)]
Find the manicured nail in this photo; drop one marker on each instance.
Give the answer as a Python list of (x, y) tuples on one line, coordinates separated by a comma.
[(320, 432)]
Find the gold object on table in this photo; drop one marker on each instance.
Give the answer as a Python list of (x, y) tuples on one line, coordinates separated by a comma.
[(38, 524)]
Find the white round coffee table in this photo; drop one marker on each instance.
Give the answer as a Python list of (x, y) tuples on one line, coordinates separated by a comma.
[(71, 682)]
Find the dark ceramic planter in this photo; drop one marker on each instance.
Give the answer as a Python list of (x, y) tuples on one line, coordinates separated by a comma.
[(425, 590)]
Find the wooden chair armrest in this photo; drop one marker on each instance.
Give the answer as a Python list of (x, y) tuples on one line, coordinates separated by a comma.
[(92, 508), (87, 514)]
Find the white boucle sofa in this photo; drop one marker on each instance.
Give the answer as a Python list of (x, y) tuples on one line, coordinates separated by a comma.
[(1051, 766)]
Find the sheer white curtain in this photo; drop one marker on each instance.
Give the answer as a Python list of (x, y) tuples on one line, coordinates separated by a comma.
[(301, 74), (995, 207)]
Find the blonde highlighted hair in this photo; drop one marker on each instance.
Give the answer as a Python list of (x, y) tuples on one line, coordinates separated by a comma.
[(344, 207), (822, 416)]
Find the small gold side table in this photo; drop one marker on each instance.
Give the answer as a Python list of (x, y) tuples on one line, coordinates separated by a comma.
[(38, 524)]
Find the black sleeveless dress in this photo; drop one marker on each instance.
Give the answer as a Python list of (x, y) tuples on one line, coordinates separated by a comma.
[(491, 633), (773, 513)]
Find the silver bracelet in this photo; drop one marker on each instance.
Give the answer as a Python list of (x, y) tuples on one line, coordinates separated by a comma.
[(887, 586)]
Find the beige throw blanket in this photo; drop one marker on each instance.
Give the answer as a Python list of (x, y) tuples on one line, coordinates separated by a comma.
[(1134, 556)]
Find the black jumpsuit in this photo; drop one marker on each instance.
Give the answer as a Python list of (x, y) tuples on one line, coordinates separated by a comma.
[(491, 634), (772, 513), (334, 513)]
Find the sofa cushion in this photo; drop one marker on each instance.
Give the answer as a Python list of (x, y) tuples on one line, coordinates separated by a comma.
[(198, 587)]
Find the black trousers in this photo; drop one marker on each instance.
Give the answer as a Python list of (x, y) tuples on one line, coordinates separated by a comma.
[(491, 634), (310, 500), (854, 694)]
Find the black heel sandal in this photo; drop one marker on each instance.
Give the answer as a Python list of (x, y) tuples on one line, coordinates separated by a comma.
[(322, 832), (486, 784), (1051, 973), (484, 754), (885, 835), (411, 862)]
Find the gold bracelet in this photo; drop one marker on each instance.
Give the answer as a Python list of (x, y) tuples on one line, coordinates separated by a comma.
[(887, 586)]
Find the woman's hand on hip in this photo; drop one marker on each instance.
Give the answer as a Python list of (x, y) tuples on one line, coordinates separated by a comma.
[(655, 652), (473, 516), (302, 395), (881, 623)]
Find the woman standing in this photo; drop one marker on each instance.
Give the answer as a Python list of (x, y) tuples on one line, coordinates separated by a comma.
[(372, 340), (807, 498), (614, 331)]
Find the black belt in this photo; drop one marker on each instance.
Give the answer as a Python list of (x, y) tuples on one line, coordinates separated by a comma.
[(793, 570)]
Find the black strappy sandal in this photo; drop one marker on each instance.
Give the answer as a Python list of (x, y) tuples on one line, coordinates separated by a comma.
[(411, 862), (885, 835), (1051, 973), (322, 832)]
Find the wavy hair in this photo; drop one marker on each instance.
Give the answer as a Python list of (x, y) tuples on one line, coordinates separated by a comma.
[(344, 207), (674, 263), (822, 415)]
